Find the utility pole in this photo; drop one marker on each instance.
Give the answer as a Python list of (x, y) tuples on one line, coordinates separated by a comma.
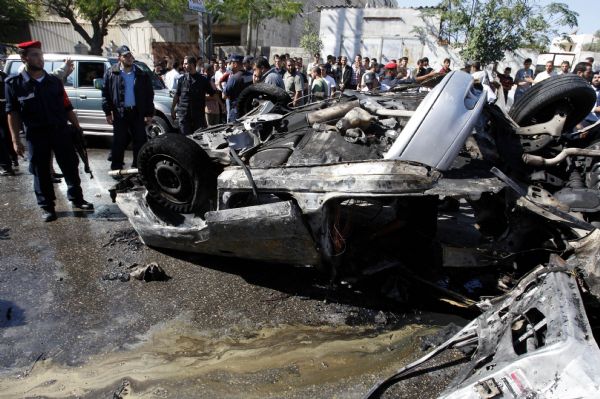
[(201, 35)]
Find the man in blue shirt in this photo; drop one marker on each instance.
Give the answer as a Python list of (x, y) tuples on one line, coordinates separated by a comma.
[(128, 103), (524, 79), (38, 102)]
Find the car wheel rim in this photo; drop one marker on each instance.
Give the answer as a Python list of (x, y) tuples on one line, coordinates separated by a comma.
[(174, 182), (154, 130)]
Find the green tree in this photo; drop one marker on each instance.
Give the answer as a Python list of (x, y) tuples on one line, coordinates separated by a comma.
[(310, 40), (102, 12), (485, 29), (253, 12), (12, 14)]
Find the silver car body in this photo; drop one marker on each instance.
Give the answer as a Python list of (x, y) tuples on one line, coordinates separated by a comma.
[(86, 99)]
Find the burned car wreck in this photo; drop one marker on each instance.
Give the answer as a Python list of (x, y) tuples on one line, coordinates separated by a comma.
[(425, 180)]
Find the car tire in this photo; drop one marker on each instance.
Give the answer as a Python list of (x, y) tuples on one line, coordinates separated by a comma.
[(540, 103), (264, 91), (158, 127), (176, 173)]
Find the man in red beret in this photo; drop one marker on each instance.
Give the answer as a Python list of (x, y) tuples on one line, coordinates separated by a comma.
[(37, 101)]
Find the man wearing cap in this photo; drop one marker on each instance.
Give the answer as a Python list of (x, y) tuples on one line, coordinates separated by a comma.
[(190, 98), (389, 79), (37, 101), (236, 82), (128, 103)]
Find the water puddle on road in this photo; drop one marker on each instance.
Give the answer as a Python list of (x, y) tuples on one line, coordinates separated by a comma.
[(272, 362)]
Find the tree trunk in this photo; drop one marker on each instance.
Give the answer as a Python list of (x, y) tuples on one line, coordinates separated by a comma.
[(249, 34)]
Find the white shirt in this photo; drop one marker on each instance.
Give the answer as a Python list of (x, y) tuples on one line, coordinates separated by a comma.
[(218, 75), (171, 79), (543, 76), (331, 84)]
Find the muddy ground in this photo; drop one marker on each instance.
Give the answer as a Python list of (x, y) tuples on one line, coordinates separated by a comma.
[(218, 328)]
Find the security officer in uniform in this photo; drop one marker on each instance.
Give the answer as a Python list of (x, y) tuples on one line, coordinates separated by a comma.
[(37, 101), (238, 80), (128, 103), (190, 98), (6, 168)]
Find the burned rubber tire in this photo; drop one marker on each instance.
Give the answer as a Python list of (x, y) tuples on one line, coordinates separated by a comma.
[(176, 173), (540, 103), (264, 91)]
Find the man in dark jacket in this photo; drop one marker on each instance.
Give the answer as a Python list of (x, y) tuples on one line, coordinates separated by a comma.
[(6, 163), (344, 74), (37, 101), (128, 103), (190, 98)]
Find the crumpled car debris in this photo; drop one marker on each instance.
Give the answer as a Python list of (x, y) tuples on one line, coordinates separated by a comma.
[(150, 272)]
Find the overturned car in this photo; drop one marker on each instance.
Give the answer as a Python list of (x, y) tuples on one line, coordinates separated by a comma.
[(315, 185)]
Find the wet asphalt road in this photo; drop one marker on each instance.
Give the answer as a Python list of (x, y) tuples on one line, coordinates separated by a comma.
[(217, 328)]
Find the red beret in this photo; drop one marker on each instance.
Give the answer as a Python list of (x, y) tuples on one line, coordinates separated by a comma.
[(391, 65), (31, 44)]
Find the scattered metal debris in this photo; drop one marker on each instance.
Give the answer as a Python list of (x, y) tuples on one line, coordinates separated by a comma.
[(150, 272)]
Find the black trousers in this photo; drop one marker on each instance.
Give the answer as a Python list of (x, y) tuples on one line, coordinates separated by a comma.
[(127, 128), (41, 142), (188, 125), (5, 158)]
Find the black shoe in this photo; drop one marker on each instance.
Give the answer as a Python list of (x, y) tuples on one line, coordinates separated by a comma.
[(57, 175), (83, 205), (7, 172), (48, 215)]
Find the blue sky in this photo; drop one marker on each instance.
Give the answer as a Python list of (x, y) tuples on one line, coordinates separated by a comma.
[(589, 22)]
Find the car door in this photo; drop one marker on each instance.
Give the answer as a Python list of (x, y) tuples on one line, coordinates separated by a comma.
[(89, 99)]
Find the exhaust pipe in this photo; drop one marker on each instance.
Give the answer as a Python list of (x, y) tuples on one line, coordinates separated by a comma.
[(535, 160)]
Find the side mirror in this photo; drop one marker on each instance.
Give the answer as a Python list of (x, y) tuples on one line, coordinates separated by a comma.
[(98, 83)]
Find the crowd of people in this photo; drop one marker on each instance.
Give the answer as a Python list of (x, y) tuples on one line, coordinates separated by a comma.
[(224, 79)]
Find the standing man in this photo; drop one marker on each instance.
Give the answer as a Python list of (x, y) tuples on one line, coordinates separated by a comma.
[(172, 76), (318, 89), (345, 74), (6, 163), (446, 67), (564, 68), (357, 72), (505, 80), (546, 73), (330, 81), (38, 102), (523, 79), (267, 74), (128, 103), (596, 86), (294, 84), (192, 89), (403, 63), (236, 82)]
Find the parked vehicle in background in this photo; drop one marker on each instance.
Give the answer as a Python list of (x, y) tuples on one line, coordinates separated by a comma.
[(83, 88)]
